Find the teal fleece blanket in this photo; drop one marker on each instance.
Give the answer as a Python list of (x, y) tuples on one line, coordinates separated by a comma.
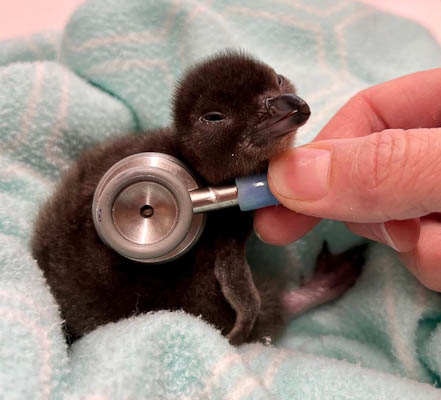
[(112, 71)]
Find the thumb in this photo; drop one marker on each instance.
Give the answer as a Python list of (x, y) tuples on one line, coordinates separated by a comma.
[(393, 174)]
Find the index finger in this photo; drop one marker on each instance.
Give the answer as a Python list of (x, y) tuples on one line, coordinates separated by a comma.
[(411, 101)]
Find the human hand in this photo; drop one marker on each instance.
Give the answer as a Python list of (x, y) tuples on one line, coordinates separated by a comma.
[(377, 166)]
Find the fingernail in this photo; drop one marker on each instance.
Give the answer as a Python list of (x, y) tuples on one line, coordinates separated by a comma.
[(301, 173), (387, 237), (257, 233)]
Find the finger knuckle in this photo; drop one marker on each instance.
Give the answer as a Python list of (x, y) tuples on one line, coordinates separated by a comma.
[(379, 160)]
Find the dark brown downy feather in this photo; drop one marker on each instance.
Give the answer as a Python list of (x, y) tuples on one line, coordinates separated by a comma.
[(94, 285)]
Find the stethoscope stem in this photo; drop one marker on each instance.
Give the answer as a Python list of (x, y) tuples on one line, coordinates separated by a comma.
[(213, 198), (249, 193)]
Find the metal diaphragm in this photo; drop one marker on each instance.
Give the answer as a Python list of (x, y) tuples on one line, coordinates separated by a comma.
[(142, 208)]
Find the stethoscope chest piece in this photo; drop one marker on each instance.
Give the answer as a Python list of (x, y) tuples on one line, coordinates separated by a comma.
[(143, 210)]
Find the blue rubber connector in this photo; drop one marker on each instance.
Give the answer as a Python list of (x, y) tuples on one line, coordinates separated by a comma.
[(253, 193)]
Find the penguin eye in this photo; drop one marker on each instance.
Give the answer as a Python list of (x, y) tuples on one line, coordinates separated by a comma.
[(280, 80), (213, 116)]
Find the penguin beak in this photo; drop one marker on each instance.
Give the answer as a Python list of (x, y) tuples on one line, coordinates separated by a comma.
[(287, 113)]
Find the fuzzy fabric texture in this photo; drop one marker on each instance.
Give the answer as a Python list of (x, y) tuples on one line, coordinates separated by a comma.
[(112, 71)]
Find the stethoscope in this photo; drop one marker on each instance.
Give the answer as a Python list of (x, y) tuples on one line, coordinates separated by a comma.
[(150, 208)]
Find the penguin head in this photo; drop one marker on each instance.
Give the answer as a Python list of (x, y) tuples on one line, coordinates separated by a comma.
[(232, 113)]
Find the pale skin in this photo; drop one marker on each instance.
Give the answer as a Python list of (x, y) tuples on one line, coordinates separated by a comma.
[(376, 166)]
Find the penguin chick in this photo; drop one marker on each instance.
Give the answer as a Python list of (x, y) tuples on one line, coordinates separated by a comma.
[(232, 113)]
